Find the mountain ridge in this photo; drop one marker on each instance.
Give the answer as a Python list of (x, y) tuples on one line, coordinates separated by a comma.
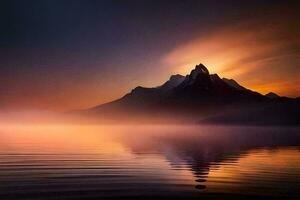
[(196, 96)]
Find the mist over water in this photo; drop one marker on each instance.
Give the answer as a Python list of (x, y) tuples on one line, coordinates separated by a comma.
[(65, 161)]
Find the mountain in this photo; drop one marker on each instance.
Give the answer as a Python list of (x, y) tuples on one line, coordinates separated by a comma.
[(198, 96), (173, 82), (285, 112), (272, 95), (233, 83)]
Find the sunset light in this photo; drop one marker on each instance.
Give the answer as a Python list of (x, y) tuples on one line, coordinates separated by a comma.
[(149, 99)]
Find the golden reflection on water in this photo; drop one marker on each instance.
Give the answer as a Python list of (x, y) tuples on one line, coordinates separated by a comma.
[(60, 139), (253, 171), (213, 159), (103, 145)]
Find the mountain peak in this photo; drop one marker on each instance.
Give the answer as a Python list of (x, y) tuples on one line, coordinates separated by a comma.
[(173, 82), (176, 77), (272, 95), (201, 68)]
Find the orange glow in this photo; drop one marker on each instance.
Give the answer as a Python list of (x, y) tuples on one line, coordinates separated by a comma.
[(58, 138), (253, 164), (253, 54), (103, 143)]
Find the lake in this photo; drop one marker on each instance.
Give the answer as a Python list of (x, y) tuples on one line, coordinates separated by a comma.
[(149, 162)]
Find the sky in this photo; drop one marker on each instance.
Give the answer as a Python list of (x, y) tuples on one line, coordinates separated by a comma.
[(61, 55)]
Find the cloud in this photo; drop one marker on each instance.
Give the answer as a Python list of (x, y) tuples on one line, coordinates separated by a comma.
[(262, 53)]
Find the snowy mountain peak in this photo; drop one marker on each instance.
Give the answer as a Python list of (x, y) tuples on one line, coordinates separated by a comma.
[(173, 82), (199, 69)]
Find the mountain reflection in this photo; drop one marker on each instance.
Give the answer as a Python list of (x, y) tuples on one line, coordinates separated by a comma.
[(200, 148)]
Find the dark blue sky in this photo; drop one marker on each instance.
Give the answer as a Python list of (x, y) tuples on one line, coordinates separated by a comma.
[(55, 51)]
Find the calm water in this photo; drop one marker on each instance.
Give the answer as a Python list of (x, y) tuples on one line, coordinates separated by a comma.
[(149, 162)]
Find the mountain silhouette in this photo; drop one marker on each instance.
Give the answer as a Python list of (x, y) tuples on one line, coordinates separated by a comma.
[(200, 97), (272, 95)]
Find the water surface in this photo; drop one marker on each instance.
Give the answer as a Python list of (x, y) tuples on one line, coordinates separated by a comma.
[(149, 162)]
